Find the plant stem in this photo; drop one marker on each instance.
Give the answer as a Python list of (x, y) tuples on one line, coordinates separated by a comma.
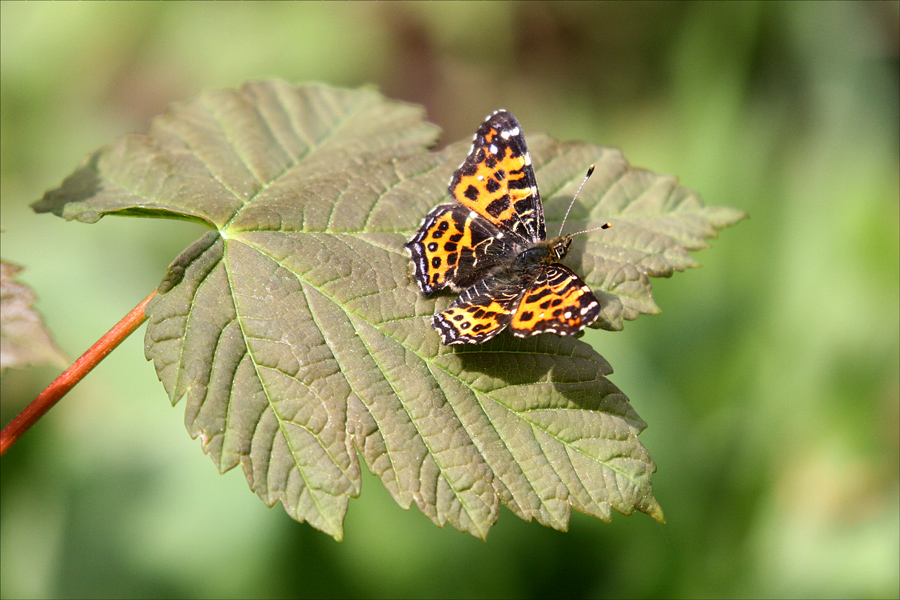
[(65, 382)]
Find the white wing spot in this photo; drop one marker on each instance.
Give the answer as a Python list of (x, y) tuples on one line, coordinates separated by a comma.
[(473, 214), (527, 158), (495, 149), (480, 178), (587, 308), (514, 131)]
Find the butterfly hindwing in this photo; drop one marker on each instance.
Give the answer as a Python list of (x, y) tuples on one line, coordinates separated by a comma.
[(557, 301), (481, 312)]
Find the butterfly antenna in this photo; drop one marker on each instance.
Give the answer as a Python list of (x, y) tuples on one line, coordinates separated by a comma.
[(575, 197), (604, 226)]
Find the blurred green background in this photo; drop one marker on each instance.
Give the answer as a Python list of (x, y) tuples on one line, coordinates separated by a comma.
[(769, 382)]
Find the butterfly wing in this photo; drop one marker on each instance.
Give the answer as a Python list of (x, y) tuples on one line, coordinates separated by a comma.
[(557, 301), (497, 180), (455, 248), (481, 312)]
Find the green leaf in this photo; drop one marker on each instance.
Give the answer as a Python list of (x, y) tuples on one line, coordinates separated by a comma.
[(24, 340), (298, 337)]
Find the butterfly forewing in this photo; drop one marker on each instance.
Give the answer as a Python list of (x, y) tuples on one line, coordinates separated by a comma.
[(454, 248), (497, 180)]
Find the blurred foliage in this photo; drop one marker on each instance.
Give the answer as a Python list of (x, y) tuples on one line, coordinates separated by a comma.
[(24, 341), (770, 381)]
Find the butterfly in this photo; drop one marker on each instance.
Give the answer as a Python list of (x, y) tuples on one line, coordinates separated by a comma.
[(491, 246)]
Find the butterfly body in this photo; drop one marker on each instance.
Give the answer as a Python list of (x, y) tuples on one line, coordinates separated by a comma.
[(491, 247), (549, 251)]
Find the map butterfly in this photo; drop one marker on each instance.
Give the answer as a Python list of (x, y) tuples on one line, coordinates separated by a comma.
[(491, 246)]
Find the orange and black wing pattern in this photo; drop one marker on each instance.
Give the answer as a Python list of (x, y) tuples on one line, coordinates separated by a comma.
[(481, 312), (497, 180), (557, 301), (455, 248)]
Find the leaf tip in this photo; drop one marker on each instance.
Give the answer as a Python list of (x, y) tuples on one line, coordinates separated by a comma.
[(655, 510)]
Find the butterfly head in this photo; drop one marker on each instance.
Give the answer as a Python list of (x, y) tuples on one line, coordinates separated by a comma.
[(559, 247)]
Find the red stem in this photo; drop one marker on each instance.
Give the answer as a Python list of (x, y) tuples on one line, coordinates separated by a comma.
[(65, 382)]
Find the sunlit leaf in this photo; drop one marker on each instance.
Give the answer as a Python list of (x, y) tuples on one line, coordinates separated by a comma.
[(297, 336)]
